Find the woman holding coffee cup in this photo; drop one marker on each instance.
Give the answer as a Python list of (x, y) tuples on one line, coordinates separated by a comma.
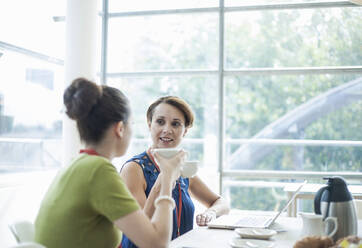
[(88, 202), (169, 118)]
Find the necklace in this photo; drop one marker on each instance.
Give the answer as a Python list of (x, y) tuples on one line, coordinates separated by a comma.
[(89, 151), (179, 209)]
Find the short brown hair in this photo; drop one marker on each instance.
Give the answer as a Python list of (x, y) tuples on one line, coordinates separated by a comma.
[(178, 103)]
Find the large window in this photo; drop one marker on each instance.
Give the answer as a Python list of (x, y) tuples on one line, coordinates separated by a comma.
[(276, 86), (32, 79)]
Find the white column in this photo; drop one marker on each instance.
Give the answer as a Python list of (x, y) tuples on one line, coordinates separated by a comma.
[(80, 60)]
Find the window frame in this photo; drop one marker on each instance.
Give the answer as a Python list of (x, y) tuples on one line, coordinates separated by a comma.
[(222, 72)]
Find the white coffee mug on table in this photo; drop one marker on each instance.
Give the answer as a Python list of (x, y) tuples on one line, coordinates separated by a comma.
[(188, 168), (313, 225)]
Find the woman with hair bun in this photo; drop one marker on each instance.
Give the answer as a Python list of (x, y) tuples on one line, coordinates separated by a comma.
[(88, 204)]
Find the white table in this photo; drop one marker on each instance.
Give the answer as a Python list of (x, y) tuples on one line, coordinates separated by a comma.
[(203, 237)]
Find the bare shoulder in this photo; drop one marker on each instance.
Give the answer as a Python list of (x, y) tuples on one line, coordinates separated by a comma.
[(132, 172), (131, 167)]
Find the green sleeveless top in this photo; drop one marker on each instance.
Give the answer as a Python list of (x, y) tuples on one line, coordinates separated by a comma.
[(81, 204)]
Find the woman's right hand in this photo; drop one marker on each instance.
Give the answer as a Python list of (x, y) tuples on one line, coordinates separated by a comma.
[(170, 166)]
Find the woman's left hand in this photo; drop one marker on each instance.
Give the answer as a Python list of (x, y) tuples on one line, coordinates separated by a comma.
[(205, 217)]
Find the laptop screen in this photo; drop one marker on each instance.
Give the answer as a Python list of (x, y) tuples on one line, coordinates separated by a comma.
[(289, 201), (261, 221)]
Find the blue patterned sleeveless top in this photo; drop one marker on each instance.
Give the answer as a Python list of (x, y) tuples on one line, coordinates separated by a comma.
[(151, 173)]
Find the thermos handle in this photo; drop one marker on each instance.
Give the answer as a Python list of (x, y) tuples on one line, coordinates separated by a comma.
[(317, 200)]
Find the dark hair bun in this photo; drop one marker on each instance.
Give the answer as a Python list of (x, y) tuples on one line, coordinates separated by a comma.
[(80, 97)]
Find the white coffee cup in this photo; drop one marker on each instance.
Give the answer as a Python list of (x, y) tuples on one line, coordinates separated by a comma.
[(313, 224), (167, 152), (188, 168)]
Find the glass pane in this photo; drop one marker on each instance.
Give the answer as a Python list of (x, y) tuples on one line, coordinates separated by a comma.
[(200, 93), (294, 158), (137, 5), (263, 198), (266, 195), (31, 88), (30, 25), (312, 107), (164, 42), (30, 113), (324, 106), (293, 38)]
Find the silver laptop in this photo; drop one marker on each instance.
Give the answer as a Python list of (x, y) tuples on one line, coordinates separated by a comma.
[(236, 221)]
